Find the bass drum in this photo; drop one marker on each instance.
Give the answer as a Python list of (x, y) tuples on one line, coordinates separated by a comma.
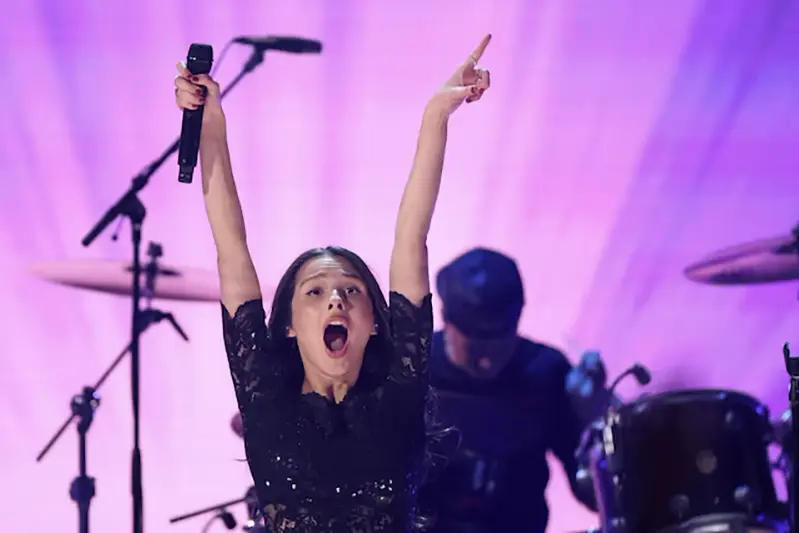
[(687, 461)]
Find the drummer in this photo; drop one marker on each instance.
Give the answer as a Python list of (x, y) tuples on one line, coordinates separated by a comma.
[(507, 397)]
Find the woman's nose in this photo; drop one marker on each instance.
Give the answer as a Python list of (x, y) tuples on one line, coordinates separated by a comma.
[(335, 302)]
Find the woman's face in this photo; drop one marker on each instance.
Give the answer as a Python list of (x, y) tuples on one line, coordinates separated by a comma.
[(331, 318)]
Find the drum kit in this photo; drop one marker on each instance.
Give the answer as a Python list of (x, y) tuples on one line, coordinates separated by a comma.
[(697, 461), (684, 461)]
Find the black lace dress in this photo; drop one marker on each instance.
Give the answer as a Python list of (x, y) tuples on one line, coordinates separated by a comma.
[(322, 467)]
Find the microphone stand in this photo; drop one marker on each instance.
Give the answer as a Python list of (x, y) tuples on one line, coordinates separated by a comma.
[(130, 206), (792, 367), (82, 488), (83, 406)]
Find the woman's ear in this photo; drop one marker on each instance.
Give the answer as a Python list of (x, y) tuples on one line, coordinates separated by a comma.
[(374, 329), (290, 333)]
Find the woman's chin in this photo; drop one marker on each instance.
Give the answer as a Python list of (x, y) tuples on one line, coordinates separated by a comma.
[(341, 363)]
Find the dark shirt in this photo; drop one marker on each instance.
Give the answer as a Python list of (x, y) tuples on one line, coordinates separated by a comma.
[(497, 478), (322, 467)]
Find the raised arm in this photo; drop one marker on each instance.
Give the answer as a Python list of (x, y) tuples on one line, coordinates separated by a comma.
[(409, 273), (257, 375), (237, 278)]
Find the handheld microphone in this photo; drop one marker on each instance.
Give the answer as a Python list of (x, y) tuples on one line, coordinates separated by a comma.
[(198, 61), (293, 45)]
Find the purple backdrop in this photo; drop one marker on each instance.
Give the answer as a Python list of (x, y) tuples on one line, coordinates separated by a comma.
[(620, 142)]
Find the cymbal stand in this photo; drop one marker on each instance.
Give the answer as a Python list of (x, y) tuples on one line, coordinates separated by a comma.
[(792, 367), (82, 489), (83, 407), (131, 207)]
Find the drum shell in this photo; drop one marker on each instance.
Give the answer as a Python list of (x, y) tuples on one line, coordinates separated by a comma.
[(689, 454)]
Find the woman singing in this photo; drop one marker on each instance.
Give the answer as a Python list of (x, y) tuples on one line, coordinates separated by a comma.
[(333, 390)]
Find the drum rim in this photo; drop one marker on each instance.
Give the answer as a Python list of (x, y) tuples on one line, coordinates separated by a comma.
[(714, 519), (693, 394)]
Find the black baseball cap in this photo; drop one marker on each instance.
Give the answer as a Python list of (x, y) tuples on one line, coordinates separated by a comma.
[(482, 294)]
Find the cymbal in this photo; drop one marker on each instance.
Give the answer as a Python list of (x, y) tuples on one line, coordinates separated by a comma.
[(237, 425), (115, 277), (763, 261)]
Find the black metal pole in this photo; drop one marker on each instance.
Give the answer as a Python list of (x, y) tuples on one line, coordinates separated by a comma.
[(83, 505), (82, 489), (792, 367), (136, 470), (794, 491)]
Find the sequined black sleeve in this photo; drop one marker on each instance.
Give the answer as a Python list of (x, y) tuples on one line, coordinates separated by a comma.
[(257, 374), (412, 329)]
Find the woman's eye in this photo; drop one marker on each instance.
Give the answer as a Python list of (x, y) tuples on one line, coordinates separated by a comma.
[(314, 292), (353, 290)]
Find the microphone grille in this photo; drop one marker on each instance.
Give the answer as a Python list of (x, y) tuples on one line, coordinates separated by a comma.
[(200, 58)]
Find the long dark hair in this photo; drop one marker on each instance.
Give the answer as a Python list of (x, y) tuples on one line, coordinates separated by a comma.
[(376, 359)]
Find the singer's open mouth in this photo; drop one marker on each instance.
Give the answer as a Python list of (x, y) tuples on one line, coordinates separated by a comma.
[(335, 337)]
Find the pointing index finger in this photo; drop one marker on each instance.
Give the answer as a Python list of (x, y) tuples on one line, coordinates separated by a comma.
[(481, 48)]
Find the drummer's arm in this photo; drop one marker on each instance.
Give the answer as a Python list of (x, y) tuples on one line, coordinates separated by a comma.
[(237, 277), (565, 452), (566, 433)]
